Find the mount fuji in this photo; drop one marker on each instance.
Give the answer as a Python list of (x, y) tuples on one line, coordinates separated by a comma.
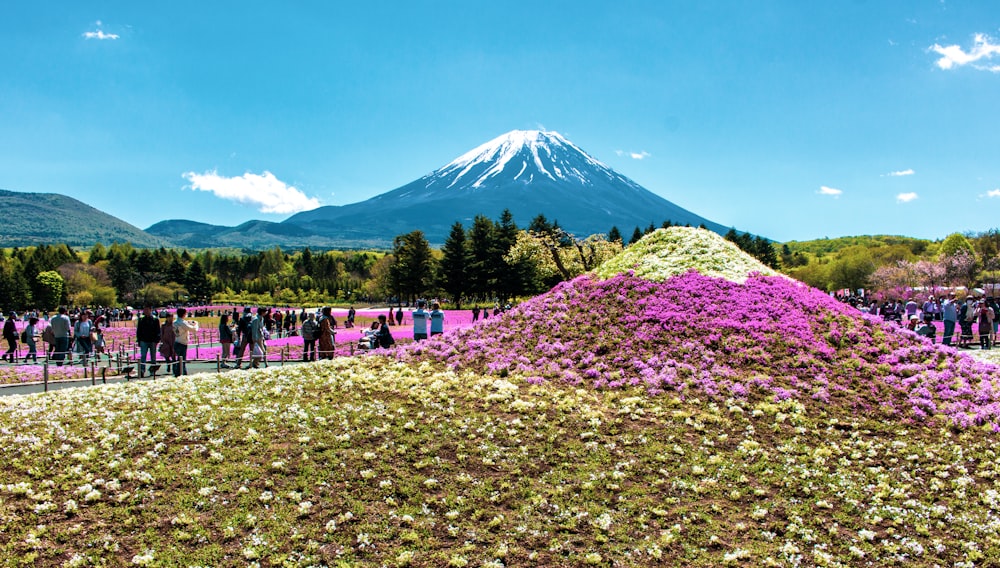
[(530, 172)]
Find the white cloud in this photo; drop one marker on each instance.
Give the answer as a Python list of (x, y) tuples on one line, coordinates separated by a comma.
[(993, 192), (264, 191), (900, 173), (824, 190), (99, 34), (982, 50), (634, 155), (906, 197)]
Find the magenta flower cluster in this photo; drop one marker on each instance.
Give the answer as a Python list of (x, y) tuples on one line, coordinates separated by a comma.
[(700, 336)]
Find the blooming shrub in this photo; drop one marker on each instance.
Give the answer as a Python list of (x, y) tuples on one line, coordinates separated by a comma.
[(697, 335), (671, 252)]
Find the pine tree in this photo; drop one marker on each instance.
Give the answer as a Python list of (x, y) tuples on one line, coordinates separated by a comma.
[(455, 259), (636, 235), (614, 235)]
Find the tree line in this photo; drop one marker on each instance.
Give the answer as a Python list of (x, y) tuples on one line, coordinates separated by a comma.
[(489, 261)]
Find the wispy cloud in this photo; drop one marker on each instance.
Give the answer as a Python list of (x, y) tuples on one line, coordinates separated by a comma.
[(634, 155), (906, 197), (979, 57), (993, 192), (824, 190), (266, 192), (901, 173), (99, 34)]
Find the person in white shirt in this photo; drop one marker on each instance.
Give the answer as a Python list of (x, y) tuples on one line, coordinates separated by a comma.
[(184, 331), (419, 322), (437, 319)]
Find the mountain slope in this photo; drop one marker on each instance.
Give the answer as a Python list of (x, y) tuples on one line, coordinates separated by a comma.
[(252, 235), (529, 172), (35, 218)]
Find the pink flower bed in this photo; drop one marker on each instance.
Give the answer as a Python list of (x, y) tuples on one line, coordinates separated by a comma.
[(701, 336)]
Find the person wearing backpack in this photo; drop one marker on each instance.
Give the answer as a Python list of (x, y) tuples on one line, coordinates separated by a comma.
[(309, 329)]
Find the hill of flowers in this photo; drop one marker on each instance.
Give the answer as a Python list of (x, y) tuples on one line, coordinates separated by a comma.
[(696, 335), (674, 251), (368, 461)]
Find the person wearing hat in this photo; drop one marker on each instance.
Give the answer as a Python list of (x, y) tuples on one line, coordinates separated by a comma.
[(10, 334)]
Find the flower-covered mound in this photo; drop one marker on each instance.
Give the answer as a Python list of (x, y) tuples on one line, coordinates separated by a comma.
[(671, 252), (376, 463), (769, 338)]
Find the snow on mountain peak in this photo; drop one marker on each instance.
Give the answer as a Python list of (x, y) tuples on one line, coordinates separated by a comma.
[(547, 153)]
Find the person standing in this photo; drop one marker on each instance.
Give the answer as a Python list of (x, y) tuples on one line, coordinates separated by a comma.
[(84, 341), (309, 329), (475, 313), (30, 333), (984, 315), (419, 322), (350, 317), (437, 319), (225, 339), (326, 335), (949, 313), (147, 335), (167, 342), (184, 334), (243, 331), (258, 334), (399, 315), (10, 335), (60, 333)]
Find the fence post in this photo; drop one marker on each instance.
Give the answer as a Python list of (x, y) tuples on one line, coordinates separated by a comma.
[(45, 374), (218, 364)]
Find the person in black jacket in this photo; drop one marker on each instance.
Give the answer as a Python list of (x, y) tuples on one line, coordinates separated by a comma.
[(147, 335), (384, 336)]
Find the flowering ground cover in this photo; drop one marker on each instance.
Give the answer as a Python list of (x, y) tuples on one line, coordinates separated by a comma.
[(703, 336), (367, 460), (672, 252), (687, 420)]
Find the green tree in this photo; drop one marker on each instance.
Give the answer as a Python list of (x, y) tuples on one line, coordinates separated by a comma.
[(48, 289), (97, 254), (614, 235), (412, 271), (636, 235), (954, 243), (196, 282), (480, 269), (14, 288), (454, 260), (852, 269)]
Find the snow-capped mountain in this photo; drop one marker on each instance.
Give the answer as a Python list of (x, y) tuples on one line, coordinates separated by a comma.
[(530, 172)]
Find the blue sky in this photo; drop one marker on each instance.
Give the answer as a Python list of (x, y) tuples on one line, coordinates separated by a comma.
[(790, 119)]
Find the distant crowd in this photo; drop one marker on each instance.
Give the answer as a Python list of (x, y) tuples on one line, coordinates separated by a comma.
[(975, 316)]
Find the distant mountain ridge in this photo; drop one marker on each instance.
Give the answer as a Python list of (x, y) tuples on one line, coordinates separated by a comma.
[(529, 172), (35, 218)]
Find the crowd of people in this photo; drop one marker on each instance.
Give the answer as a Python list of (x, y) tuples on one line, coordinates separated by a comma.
[(79, 332), (975, 316)]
